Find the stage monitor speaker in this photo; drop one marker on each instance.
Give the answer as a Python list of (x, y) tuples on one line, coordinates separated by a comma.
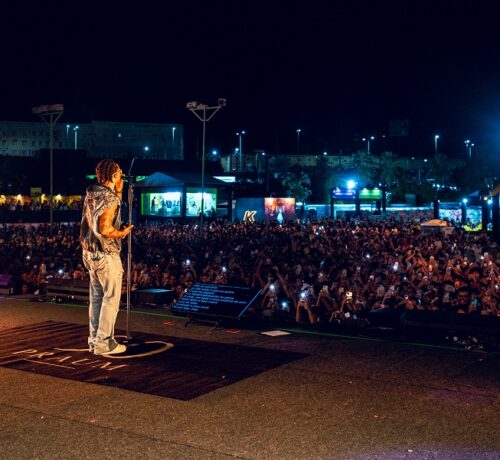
[(72, 289), (155, 297), (6, 287)]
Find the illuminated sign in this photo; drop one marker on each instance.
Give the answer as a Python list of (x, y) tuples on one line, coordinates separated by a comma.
[(249, 216), (227, 179), (364, 194), (370, 194), (343, 194), (249, 210)]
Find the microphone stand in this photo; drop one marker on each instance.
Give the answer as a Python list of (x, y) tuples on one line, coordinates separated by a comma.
[(129, 252)]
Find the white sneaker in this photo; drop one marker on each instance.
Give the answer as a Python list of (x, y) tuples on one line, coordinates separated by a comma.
[(118, 349)]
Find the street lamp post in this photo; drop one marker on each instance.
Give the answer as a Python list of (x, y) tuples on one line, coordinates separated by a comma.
[(367, 140), (468, 147), (75, 129), (200, 111), (240, 151), (436, 138), (298, 141), (50, 114), (67, 135), (257, 164)]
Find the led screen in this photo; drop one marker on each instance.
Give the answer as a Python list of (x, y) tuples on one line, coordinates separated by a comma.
[(249, 210), (279, 209), (165, 204), (193, 201), (455, 215)]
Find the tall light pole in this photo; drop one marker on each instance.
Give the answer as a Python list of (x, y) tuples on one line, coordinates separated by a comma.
[(468, 147), (67, 135), (240, 151), (298, 141), (436, 138), (200, 111), (367, 140), (75, 129), (50, 114), (257, 164)]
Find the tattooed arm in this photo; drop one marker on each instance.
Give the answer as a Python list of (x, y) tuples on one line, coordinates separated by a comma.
[(106, 227)]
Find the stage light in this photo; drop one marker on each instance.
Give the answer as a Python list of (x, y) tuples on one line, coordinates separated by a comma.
[(351, 184)]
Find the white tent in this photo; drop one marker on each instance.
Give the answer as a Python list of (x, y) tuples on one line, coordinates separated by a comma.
[(437, 225)]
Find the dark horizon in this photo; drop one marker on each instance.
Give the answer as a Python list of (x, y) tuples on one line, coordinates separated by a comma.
[(338, 72)]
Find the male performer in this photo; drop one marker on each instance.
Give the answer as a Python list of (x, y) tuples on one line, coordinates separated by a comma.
[(100, 237)]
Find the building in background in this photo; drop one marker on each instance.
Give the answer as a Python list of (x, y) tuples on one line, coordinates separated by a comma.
[(101, 139)]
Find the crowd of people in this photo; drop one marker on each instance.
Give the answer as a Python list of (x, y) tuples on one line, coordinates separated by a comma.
[(325, 271), (20, 206)]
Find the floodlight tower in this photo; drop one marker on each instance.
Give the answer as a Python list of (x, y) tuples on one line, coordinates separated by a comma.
[(368, 140), (468, 147), (50, 114), (240, 150), (204, 113)]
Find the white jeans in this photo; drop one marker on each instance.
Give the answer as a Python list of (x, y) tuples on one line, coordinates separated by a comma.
[(105, 290)]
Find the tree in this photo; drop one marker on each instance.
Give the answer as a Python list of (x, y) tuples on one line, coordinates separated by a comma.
[(365, 167), (442, 168), (297, 184), (321, 174), (391, 169)]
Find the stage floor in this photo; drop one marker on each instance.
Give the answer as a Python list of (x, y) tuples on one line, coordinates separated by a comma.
[(347, 399)]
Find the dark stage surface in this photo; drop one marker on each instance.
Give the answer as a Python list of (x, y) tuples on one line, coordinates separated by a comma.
[(347, 399)]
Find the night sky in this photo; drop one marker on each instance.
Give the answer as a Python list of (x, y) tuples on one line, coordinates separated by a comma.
[(337, 70)]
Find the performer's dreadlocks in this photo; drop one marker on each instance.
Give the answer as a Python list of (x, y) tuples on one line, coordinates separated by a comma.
[(105, 170)]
